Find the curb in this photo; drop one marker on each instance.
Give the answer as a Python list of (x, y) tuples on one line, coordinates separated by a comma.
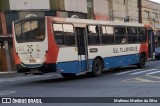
[(5, 73)]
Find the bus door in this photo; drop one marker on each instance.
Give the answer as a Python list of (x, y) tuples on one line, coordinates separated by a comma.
[(82, 48), (151, 45)]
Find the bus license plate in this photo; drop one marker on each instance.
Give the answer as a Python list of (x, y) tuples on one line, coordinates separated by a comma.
[(32, 61)]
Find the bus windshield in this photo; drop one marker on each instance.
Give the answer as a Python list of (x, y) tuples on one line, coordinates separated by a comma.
[(30, 30)]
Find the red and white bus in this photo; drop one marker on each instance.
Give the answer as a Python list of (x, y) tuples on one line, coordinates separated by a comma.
[(73, 46)]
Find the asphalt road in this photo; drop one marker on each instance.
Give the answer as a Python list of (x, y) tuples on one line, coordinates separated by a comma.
[(122, 82)]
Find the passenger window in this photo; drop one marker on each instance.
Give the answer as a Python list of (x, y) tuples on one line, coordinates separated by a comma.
[(58, 33), (69, 34), (93, 35), (64, 34), (132, 35), (120, 35), (142, 35), (108, 36)]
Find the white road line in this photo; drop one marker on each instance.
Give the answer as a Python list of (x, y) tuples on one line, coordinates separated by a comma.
[(2, 93), (153, 72), (142, 71), (128, 71)]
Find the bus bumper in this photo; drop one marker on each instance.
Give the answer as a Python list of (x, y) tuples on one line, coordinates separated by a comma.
[(45, 68)]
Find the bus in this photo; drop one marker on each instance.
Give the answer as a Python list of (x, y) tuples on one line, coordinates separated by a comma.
[(76, 46)]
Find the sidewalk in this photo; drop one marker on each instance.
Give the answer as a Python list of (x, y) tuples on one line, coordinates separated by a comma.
[(10, 73)]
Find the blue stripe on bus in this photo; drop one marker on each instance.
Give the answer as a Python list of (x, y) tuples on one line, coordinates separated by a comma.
[(109, 62), (68, 67)]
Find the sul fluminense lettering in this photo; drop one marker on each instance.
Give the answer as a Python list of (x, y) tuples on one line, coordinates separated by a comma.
[(126, 49)]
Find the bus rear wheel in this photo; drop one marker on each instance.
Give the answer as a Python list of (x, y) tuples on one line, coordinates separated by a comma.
[(68, 75), (142, 61), (97, 67)]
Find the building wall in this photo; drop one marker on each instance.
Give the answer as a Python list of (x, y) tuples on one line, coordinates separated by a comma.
[(76, 5), (103, 12), (132, 6), (29, 4), (119, 12), (133, 14), (101, 7), (151, 13), (123, 10)]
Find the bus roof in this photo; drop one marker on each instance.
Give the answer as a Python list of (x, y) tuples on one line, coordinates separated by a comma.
[(95, 22)]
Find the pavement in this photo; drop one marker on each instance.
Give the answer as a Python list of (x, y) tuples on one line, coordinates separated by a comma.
[(8, 74)]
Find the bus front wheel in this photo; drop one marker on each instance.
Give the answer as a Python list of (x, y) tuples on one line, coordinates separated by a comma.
[(97, 67), (142, 61)]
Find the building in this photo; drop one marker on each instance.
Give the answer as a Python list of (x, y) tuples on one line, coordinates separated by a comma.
[(151, 13)]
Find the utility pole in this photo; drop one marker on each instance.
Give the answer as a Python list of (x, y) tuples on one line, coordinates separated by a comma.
[(140, 10), (111, 11)]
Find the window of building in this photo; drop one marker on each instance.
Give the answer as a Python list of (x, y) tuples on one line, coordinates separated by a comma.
[(142, 35), (120, 35), (107, 35), (64, 34), (93, 35), (132, 35), (154, 15), (146, 15), (133, 3)]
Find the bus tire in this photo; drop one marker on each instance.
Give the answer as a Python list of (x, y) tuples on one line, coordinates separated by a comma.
[(142, 61), (97, 67), (68, 75)]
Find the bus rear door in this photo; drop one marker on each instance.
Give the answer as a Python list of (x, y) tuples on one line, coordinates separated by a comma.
[(151, 45), (82, 48)]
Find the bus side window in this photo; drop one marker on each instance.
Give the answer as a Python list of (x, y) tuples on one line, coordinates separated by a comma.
[(58, 34), (69, 35), (142, 35), (120, 35), (132, 35), (64, 34), (93, 35), (107, 36)]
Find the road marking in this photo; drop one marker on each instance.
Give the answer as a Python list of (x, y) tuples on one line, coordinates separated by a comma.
[(142, 71), (156, 77), (6, 92), (137, 79), (143, 80), (128, 71), (153, 72)]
